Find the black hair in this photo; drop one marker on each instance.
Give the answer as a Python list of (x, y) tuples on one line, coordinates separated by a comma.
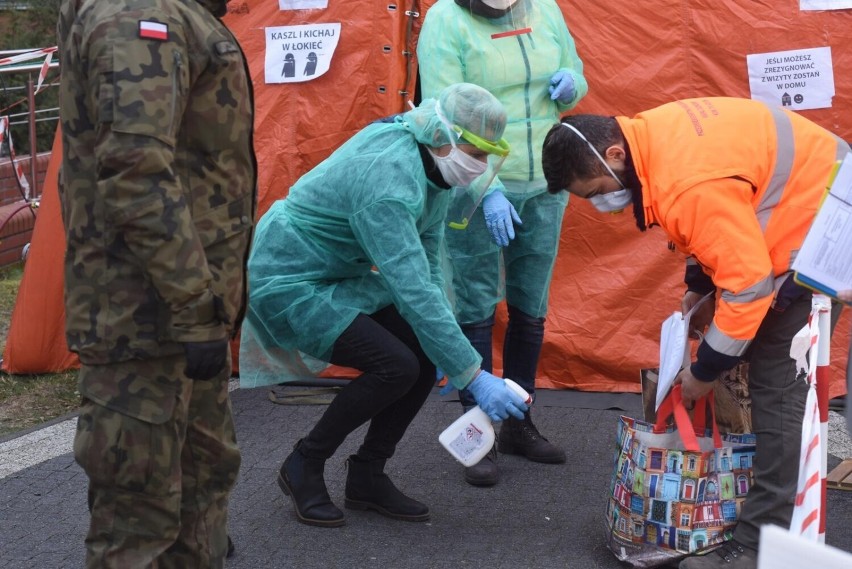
[(566, 157)]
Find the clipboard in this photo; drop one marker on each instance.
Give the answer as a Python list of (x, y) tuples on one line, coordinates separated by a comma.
[(824, 261)]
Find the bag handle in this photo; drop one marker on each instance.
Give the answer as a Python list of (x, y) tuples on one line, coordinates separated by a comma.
[(701, 301), (699, 418), (673, 405)]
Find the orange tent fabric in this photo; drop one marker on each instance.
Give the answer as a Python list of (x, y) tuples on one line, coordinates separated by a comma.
[(613, 286), (36, 340)]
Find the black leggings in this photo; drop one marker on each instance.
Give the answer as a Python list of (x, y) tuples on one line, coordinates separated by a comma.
[(396, 378)]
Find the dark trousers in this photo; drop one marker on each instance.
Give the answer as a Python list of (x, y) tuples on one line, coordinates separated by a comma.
[(849, 387), (778, 394), (161, 472), (396, 378), (521, 349)]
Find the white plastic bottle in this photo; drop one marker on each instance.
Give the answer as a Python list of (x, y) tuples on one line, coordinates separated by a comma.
[(471, 436)]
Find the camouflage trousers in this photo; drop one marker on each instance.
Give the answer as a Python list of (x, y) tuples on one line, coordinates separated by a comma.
[(158, 481)]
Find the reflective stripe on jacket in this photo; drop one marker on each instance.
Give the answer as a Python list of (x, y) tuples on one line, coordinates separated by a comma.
[(735, 184)]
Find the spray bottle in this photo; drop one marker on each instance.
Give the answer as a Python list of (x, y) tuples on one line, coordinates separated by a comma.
[(471, 436)]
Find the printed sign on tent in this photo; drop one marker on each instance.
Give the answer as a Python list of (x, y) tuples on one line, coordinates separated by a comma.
[(797, 79), (299, 53), (302, 4), (824, 4)]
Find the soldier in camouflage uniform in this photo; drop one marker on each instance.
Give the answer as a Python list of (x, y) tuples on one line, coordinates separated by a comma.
[(158, 197)]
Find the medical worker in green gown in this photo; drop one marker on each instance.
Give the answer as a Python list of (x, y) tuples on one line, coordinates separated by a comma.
[(347, 269), (520, 51)]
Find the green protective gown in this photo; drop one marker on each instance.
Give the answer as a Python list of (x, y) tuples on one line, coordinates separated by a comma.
[(359, 232), (456, 46)]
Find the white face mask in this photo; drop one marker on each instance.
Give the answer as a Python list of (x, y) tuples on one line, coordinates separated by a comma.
[(612, 201), (459, 168), (499, 4)]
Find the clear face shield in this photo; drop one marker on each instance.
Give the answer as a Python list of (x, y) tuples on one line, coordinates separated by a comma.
[(513, 16), (476, 189), (497, 152)]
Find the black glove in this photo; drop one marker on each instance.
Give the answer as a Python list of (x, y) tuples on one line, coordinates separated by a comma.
[(204, 360)]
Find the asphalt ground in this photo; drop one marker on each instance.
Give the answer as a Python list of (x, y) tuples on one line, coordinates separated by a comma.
[(538, 516)]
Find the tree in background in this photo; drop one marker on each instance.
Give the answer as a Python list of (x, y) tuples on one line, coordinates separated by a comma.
[(28, 25)]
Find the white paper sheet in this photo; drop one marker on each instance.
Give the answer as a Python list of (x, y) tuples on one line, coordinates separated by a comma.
[(299, 53), (302, 4), (674, 349), (796, 79), (674, 353), (780, 549), (825, 259), (825, 4)]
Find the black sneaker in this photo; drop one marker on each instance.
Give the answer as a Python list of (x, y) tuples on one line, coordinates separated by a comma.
[(730, 555)]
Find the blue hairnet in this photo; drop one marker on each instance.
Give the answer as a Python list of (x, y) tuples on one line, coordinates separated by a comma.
[(464, 104)]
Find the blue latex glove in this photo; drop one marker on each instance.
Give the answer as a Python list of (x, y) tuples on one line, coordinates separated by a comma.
[(499, 214), (562, 87), (439, 374), (497, 400)]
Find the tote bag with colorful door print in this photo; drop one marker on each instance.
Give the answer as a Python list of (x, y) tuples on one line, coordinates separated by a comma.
[(676, 489)]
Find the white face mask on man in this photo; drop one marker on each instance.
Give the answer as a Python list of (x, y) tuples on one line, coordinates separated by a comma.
[(459, 168), (612, 201)]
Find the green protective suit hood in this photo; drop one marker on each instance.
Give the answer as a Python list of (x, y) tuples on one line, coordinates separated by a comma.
[(464, 104)]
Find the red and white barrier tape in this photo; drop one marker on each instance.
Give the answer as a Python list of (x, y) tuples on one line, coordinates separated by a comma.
[(823, 377), (26, 56), (23, 183), (46, 52), (809, 510)]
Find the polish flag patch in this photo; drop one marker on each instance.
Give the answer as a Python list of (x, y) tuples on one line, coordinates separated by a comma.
[(153, 30)]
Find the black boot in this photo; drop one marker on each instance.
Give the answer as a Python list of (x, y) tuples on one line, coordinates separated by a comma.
[(484, 472), (369, 488), (522, 437), (301, 478)]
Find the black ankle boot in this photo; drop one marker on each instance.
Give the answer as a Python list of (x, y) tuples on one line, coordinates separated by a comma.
[(301, 478), (523, 438), (369, 488), (484, 472)]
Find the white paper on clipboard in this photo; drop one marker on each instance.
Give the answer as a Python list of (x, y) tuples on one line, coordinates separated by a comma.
[(674, 349), (824, 261)]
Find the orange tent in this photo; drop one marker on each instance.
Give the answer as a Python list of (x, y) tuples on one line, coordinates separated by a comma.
[(613, 286), (36, 340)]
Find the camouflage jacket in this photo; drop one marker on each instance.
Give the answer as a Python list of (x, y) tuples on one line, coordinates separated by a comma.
[(158, 176)]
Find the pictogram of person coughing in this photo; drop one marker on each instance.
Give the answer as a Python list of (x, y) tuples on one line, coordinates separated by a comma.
[(289, 69), (311, 65)]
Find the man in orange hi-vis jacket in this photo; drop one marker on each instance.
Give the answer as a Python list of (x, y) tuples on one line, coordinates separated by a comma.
[(735, 184)]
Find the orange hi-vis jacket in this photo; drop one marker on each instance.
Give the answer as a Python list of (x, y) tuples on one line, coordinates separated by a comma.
[(734, 183)]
